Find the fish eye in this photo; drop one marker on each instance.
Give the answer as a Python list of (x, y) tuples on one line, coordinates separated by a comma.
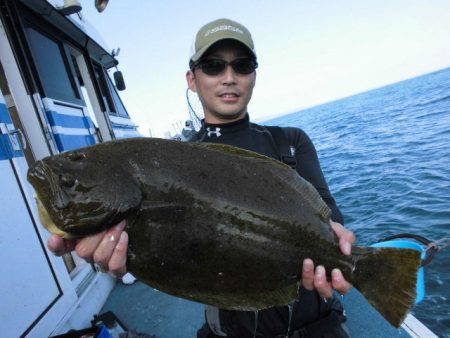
[(76, 156), (66, 181)]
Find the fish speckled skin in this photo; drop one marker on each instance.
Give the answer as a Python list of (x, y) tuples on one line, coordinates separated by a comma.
[(209, 222)]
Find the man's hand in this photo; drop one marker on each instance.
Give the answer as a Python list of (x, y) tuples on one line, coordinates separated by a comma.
[(107, 249), (315, 279)]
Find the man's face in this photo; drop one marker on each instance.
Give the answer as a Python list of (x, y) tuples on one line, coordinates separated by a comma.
[(224, 96)]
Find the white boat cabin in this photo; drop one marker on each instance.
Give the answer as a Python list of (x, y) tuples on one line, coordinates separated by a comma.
[(55, 95)]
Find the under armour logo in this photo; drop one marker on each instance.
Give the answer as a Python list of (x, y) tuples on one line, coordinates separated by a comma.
[(215, 132)]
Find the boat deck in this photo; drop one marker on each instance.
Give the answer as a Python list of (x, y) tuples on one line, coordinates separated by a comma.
[(146, 310)]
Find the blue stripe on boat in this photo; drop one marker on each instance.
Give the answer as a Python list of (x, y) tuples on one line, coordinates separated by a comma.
[(6, 150), (4, 114), (70, 142), (69, 121)]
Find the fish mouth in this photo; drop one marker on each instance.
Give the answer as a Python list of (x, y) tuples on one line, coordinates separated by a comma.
[(48, 223)]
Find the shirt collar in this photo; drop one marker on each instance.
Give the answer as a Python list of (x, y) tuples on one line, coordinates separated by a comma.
[(219, 129)]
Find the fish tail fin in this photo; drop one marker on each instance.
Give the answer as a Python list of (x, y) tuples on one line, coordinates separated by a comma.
[(387, 277)]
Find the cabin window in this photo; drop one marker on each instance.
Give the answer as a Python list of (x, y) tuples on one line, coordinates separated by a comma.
[(121, 111), (106, 97), (78, 62), (111, 98), (52, 67)]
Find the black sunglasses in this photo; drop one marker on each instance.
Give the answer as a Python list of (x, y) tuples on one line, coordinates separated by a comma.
[(218, 66)]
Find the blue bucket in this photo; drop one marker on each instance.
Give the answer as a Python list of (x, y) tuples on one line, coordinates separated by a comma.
[(406, 244)]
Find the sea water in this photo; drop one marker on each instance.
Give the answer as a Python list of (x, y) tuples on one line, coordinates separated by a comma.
[(386, 156)]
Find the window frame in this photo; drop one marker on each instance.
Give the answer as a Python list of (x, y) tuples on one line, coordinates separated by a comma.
[(114, 93), (63, 45)]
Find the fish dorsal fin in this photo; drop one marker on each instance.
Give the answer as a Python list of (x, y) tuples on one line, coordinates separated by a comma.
[(240, 152), (307, 190), (288, 175)]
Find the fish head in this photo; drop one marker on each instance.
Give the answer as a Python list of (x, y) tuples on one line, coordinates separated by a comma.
[(82, 192)]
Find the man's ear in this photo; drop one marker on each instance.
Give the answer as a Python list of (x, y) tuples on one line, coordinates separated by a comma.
[(190, 78)]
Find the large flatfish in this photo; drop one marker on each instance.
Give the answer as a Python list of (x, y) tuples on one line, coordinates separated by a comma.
[(213, 223)]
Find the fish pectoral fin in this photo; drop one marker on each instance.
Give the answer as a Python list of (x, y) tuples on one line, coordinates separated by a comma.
[(160, 211)]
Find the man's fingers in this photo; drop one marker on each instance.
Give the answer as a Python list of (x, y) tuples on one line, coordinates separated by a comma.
[(317, 280), (345, 245), (339, 283), (107, 245), (308, 274), (346, 237), (56, 245), (60, 246), (338, 228), (321, 284), (87, 246), (117, 263)]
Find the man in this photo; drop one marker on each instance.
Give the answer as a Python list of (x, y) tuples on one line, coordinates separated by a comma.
[(222, 73)]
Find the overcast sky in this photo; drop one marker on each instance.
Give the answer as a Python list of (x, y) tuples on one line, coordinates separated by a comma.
[(309, 52)]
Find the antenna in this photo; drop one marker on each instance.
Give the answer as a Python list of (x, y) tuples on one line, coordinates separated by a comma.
[(115, 52)]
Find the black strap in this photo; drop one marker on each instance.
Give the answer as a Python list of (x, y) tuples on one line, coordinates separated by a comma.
[(320, 327), (282, 143), (312, 330)]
